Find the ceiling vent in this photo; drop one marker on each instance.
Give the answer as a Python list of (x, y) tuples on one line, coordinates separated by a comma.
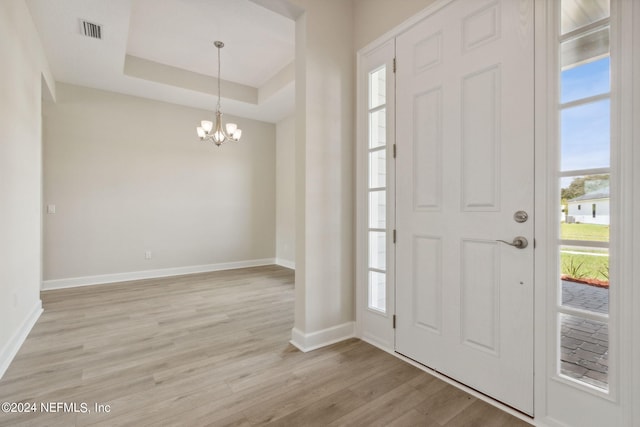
[(90, 29)]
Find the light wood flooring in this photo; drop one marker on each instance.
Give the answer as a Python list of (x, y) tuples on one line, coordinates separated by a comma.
[(213, 349)]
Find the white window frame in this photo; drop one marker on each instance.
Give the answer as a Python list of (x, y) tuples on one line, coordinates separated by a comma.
[(560, 400), (374, 326)]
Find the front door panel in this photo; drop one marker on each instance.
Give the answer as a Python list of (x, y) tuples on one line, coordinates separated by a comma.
[(464, 168)]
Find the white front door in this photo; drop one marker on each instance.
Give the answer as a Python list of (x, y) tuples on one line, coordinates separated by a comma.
[(465, 112)]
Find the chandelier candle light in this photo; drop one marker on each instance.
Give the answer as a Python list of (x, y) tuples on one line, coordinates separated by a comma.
[(217, 135)]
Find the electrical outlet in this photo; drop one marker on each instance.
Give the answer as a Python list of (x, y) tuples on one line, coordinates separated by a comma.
[(147, 255)]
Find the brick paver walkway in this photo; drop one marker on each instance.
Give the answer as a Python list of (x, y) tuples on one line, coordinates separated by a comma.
[(584, 343), (585, 297)]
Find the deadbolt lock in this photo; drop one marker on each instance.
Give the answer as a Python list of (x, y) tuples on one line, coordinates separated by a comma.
[(521, 216)]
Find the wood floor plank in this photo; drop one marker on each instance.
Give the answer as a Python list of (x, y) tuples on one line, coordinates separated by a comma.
[(384, 409), (446, 404), (382, 382), (413, 418), (213, 349), (481, 414), (323, 411)]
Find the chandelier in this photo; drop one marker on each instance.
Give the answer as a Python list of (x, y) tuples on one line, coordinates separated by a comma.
[(218, 135)]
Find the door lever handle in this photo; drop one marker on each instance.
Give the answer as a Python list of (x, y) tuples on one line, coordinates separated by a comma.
[(518, 242)]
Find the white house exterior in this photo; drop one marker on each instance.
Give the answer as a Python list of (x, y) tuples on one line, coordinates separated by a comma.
[(590, 208)]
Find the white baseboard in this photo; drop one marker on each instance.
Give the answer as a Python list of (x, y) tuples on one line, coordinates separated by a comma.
[(11, 348), (150, 274), (286, 263), (376, 342), (323, 338)]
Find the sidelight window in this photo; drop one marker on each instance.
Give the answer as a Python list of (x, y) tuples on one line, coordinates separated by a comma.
[(585, 170), (377, 189)]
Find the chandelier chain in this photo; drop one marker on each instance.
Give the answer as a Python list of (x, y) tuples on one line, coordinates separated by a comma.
[(219, 78)]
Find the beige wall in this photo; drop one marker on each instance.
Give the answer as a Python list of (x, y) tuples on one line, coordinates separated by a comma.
[(285, 192), (325, 70), (22, 67), (373, 18), (327, 35), (126, 178), (129, 175)]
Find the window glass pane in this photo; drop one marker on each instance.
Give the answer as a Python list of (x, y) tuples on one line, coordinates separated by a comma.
[(378, 169), (585, 208), (377, 87), (584, 350), (377, 290), (377, 209), (377, 249), (583, 81), (579, 13), (585, 231), (585, 48), (585, 278), (585, 136), (377, 128)]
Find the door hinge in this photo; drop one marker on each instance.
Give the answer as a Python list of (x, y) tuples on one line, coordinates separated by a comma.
[(394, 236), (394, 65), (394, 321), (394, 151)]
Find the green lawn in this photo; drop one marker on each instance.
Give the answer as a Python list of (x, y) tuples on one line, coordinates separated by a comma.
[(584, 264), (594, 232)]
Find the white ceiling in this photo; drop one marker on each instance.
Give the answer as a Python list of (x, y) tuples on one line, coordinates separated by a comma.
[(259, 45)]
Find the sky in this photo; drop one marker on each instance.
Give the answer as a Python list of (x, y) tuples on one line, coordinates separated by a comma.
[(585, 129)]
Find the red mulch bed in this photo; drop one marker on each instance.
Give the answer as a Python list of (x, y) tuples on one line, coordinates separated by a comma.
[(591, 282)]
